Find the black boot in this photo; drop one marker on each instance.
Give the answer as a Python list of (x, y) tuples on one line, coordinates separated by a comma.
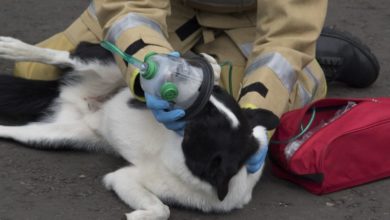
[(345, 58)]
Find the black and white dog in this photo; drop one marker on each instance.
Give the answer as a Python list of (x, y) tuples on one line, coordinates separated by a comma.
[(91, 108)]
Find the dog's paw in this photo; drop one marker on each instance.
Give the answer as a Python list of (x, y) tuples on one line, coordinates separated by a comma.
[(14, 49), (261, 135), (8, 43), (8, 39), (108, 181), (149, 214), (139, 215)]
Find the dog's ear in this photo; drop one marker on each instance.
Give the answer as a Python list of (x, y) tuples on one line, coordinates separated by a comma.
[(261, 117), (220, 176)]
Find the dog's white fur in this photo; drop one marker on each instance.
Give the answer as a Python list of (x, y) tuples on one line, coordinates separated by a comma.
[(158, 172)]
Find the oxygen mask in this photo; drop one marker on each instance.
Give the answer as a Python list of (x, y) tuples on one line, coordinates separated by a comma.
[(185, 83)]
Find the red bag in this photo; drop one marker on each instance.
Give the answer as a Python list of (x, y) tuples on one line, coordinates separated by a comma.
[(333, 144)]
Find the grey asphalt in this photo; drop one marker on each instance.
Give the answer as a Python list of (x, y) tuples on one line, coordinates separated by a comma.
[(66, 185)]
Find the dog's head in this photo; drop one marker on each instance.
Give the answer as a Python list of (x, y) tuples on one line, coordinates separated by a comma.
[(219, 140)]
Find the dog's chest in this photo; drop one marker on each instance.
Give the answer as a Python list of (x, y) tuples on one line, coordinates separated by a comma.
[(94, 103)]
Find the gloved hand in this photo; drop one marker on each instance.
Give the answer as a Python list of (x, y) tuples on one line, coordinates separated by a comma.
[(257, 160), (170, 118)]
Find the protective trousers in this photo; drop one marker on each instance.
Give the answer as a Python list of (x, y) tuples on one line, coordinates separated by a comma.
[(267, 54)]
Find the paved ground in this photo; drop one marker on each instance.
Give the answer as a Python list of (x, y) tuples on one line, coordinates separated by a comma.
[(42, 185)]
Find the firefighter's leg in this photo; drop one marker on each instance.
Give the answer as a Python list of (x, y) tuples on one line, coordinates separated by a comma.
[(265, 87)]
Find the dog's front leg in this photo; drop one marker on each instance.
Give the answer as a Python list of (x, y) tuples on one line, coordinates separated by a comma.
[(125, 182)]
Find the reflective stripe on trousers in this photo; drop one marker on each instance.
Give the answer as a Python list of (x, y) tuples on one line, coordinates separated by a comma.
[(286, 74), (129, 21)]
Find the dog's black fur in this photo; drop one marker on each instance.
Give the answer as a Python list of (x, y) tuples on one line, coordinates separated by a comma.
[(26, 100), (209, 154)]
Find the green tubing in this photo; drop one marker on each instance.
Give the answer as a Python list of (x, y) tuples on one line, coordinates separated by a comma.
[(130, 59), (230, 66), (303, 131)]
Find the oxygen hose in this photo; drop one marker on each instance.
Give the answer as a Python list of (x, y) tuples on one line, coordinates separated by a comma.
[(130, 59), (144, 66), (303, 130), (230, 71)]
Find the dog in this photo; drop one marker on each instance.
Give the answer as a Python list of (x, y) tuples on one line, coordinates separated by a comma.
[(90, 107)]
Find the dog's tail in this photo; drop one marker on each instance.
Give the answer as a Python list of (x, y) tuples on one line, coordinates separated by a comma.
[(24, 99)]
